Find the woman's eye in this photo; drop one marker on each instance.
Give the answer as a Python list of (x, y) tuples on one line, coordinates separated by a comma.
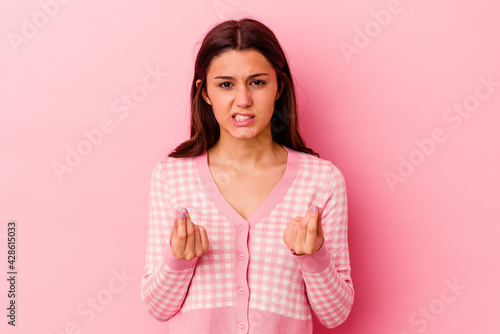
[(255, 83), (259, 82)]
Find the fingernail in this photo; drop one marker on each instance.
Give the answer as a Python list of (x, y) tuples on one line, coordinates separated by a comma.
[(184, 210), (182, 214), (315, 209)]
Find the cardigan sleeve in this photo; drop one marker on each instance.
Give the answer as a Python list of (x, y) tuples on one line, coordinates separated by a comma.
[(327, 272), (166, 279)]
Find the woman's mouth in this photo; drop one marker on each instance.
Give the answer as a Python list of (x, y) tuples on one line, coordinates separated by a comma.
[(240, 120)]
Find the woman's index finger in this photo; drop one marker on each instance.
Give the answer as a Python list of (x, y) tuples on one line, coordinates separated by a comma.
[(312, 223), (320, 226)]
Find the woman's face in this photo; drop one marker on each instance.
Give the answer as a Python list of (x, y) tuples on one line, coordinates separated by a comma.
[(242, 88)]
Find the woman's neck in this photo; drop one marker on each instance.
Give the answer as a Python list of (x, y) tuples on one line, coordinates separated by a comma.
[(243, 154)]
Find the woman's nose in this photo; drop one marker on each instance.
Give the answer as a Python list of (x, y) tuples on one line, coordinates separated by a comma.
[(243, 97)]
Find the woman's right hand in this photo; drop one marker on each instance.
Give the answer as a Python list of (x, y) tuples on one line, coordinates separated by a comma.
[(187, 239)]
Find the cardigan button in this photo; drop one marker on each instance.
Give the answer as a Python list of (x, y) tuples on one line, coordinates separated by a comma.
[(242, 257), (241, 291), (243, 226), (242, 325)]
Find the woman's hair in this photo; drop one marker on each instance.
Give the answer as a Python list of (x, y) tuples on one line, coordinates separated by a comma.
[(245, 34)]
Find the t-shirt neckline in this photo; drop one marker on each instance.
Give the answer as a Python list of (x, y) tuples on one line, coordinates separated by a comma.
[(272, 200)]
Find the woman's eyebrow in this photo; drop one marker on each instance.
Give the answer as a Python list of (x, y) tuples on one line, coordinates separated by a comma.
[(225, 77)]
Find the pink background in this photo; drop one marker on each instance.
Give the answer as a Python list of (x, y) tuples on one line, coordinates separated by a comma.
[(380, 84)]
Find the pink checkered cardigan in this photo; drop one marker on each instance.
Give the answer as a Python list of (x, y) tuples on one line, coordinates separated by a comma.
[(248, 281)]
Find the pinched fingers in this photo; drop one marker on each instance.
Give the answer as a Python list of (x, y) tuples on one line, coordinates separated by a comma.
[(303, 235), (187, 240)]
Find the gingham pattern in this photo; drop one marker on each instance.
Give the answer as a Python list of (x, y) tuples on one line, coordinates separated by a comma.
[(278, 282), (330, 291)]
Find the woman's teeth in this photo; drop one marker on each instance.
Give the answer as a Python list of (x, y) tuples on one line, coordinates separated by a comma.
[(240, 118)]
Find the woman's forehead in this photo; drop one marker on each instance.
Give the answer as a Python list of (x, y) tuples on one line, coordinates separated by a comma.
[(242, 63)]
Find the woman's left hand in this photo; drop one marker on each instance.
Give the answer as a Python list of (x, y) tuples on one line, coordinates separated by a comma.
[(304, 234)]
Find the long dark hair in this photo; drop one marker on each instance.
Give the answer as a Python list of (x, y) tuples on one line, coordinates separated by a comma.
[(244, 34)]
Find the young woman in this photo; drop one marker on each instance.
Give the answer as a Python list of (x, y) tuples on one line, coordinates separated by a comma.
[(248, 226)]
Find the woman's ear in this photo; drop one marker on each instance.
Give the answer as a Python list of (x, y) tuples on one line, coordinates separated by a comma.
[(281, 90), (203, 92)]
